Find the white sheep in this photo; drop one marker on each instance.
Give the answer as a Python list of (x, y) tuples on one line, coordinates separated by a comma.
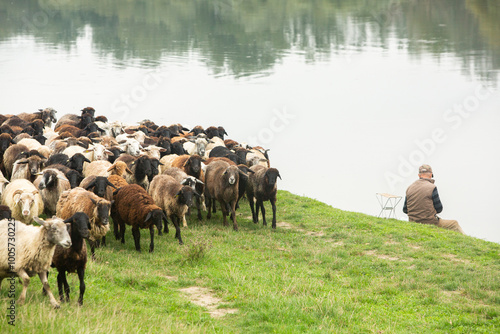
[(23, 199), (29, 251), (97, 168), (30, 143), (131, 146)]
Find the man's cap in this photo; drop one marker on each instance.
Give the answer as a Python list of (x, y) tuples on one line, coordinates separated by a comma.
[(424, 169)]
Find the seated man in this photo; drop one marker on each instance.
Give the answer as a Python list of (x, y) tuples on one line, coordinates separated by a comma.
[(422, 203)]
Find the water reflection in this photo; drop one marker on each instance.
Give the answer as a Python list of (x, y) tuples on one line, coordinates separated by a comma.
[(236, 37)]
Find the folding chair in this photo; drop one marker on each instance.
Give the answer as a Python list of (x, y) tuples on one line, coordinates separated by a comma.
[(388, 204)]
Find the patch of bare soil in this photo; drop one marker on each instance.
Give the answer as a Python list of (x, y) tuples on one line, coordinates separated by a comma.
[(284, 225), (381, 256), (202, 297), (454, 258)]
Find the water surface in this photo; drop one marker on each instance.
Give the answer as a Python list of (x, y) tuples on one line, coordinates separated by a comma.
[(350, 96)]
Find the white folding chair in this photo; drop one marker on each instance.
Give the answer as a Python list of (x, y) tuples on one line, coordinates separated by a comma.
[(388, 204)]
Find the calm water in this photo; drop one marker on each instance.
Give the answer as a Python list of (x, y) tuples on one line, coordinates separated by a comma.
[(350, 96)]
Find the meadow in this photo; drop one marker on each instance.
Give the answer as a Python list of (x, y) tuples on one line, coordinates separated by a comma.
[(323, 270)]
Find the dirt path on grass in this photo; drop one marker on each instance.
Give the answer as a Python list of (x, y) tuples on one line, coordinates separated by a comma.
[(204, 298)]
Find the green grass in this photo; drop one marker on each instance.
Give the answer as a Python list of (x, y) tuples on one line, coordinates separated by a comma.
[(328, 271)]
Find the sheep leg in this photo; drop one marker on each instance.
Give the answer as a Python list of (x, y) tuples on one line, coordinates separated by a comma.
[(175, 220), (26, 281), (137, 238), (116, 230), (103, 242), (273, 204), (233, 214), (208, 204), (263, 211), (152, 244), (81, 274), (198, 207), (165, 227), (45, 282), (255, 216), (224, 213), (92, 249), (122, 231), (66, 285), (59, 286)]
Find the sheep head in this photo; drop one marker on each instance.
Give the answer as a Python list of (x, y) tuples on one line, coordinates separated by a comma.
[(25, 199), (57, 232), (80, 224)]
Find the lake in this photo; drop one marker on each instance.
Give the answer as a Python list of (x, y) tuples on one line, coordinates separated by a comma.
[(350, 96)]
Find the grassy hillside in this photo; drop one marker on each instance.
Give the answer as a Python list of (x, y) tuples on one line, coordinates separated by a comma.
[(322, 270)]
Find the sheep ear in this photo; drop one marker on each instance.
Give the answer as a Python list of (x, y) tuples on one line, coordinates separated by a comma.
[(86, 160), (93, 201), (17, 196), (110, 184), (148, 217), (199, 181), (197, 194), (242, 173), (68, 227), (128, 171), (90, 185), (178, 193), (279, 175)]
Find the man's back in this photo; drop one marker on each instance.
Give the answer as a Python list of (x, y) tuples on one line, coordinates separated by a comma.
[(419, 202)]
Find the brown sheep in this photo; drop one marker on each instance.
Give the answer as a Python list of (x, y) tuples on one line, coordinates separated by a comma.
[(95, 207), (221, 184), (133, 206), (262, 186), (173, 198), (10, 156)]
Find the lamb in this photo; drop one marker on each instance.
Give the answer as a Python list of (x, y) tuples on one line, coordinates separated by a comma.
[(51, 184), (74, 258), (35, 247), (134, 206), (96, 208), (262, 186), (221, 184), (23, 199), (173, 198)]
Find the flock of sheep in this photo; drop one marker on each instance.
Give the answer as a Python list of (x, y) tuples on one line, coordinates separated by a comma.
[(81, 169)]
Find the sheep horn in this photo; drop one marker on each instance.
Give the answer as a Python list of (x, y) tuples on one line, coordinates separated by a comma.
[(39, 221), (148, 216)]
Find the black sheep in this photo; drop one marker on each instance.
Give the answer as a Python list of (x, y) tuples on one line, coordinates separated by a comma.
[(73, 259)]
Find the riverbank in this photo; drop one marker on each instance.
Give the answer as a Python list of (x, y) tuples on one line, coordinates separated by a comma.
[(322, 270)]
